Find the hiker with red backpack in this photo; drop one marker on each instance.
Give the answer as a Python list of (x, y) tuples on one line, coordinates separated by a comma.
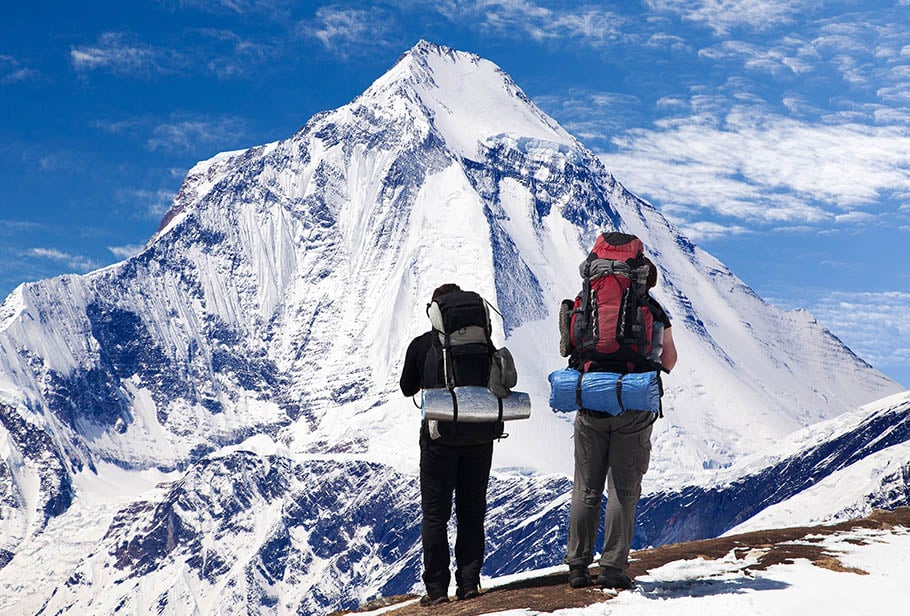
[(455, 456), (618, 340)]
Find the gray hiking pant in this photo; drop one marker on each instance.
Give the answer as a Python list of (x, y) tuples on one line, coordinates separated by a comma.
[(615, 451)]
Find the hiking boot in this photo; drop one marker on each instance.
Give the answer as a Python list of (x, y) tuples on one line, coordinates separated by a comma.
[(467, 592), (433, 599), (611, 577), (579, 577)]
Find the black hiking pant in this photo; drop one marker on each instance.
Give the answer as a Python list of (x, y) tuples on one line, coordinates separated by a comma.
[(464, 470)]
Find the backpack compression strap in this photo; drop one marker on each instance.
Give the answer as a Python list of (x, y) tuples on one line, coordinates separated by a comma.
[(450, 379)]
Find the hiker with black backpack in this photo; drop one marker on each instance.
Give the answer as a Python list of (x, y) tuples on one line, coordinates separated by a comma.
[(455, 456), (618, 340)]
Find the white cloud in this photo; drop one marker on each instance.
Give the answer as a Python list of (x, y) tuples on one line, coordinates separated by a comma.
[(181, 132), (866, 48), (272, 8), (151, 203), (194, 133), (228, 54), (346, 30), (666, 102), (798, 105), (215, 50), (872, 324), (898, 94), (591, 115), (125, 252), (723, 16), (593, 25), (706, 230), (118, 53), (673, 42), (40, 156), (78, 263), (10, 227), (789, 55), (755, 166), (118, 126), (590, 24), (13, 71), (855, 218)]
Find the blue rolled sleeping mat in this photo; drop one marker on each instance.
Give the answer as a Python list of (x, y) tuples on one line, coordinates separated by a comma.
[(605, 392)]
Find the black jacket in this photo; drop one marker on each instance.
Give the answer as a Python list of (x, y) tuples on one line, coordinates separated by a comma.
[(414, 360)]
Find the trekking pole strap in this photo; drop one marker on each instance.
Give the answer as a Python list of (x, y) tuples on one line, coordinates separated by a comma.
[(622, 409), (492, 307), (454, 410), (448, 375), (581, 375)]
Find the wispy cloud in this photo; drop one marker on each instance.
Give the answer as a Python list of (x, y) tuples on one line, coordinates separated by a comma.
[(591, 24), (121, 54), (754, 166), (348, 31), (14, 71), (218, 51), (663, 40), (77, 263), (725, 16), (125, 252), (147, 203), (271, 8), (9, 227), (37, 155), (228, 54), (882, 340), (591, 115), (855, 218), (118, 127), (181, 132), (788, 55), (867, 50), (707, 230), (192, 133)]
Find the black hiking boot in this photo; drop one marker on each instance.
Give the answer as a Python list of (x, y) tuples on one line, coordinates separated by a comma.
[(579, 577), (433, 599), (611, 577), (467, 592)]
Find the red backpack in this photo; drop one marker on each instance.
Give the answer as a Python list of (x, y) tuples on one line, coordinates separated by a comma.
[(609, 325)]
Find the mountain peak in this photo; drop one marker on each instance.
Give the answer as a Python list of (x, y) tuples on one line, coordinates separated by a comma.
[(425, 49), (470, 101)]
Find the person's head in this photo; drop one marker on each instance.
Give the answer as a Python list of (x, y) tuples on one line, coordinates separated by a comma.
[(446, 288), (652, 273)]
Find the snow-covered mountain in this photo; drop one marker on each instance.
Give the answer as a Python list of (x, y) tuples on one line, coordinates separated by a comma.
[(832, 471), (248, 359)]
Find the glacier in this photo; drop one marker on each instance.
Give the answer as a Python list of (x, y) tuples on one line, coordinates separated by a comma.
[(215, 423)]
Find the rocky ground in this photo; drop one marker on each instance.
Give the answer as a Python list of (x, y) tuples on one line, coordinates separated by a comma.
[(552, 592)]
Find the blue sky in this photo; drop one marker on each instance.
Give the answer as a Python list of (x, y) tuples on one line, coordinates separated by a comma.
[(775, 133)]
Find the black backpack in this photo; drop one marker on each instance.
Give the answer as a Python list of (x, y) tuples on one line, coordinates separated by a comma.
[(462, 353)]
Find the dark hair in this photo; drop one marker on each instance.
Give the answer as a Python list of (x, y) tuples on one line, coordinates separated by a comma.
[(446, 288), (652, 273)]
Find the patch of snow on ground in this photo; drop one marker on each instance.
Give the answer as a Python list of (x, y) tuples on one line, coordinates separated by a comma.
[(700, 587)]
